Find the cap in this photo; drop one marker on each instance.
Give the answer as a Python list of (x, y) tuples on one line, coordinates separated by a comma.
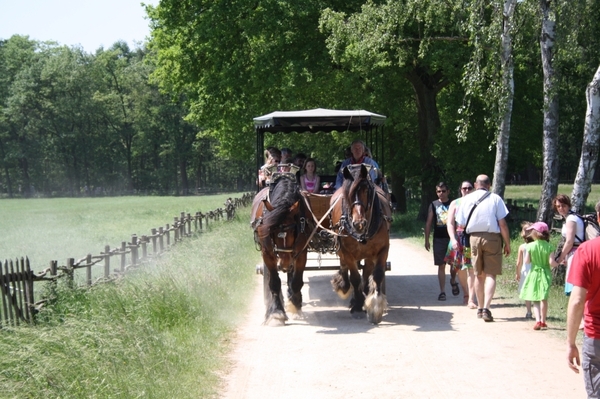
[(539, 227)]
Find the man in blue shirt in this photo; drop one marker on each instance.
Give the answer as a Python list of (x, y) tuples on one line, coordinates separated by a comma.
[(358, 149)]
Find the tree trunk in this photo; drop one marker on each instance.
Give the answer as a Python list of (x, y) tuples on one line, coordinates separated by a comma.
[(184, 177), (426, 87), (550, 148), (507, 67), (589, 149)]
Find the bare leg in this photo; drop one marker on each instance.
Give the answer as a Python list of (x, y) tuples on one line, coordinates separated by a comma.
[(442, 277), (462, 279), (544, 311), (528, 306), (479, 285), (536, 311), (490, 289), (471, 284)]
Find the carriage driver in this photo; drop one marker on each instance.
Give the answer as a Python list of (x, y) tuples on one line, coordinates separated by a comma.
[(358, 149)]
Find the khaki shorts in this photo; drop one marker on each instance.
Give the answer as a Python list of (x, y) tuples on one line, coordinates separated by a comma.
[(486, 253)]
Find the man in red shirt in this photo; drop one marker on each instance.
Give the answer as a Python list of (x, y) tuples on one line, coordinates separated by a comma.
[(584, 274)]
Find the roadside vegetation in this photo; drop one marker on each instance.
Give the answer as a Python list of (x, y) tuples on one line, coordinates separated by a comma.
[(159, 332)]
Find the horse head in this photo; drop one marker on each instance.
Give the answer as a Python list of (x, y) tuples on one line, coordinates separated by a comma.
[(358, 195)]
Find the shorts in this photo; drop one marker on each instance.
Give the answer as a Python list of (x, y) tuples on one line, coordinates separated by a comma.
[(590, 365), (439, 250), (486, 253)]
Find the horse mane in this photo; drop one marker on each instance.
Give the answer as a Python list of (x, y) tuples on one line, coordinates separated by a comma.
[(282, 195)]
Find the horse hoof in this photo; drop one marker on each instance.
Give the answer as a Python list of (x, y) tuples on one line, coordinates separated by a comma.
[(299, 315), (276, 319)]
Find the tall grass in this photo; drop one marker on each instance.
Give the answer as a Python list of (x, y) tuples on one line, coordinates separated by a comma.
[(160, 332), (46, 229)]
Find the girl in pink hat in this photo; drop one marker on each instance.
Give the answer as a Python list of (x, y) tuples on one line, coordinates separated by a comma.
[(537, 283)]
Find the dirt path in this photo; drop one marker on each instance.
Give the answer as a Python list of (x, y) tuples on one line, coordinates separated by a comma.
[(423, 348)]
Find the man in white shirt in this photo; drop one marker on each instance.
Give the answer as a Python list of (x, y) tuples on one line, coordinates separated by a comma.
[(489, 231)]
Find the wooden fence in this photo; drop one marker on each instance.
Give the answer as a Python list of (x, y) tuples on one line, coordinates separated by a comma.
[(17, 279)]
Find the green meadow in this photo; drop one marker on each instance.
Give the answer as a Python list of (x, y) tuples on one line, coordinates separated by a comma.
[(48, 229)]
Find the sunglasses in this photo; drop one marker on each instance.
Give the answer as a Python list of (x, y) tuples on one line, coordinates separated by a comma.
[(441, 191), (466, 188)]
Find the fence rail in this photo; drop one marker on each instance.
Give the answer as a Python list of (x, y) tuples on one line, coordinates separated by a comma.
[(17, 279)]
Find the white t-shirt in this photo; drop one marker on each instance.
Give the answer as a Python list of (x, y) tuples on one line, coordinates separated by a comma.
[(579, 232), (487, 214)]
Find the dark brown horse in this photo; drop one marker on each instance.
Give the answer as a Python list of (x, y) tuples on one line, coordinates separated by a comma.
[(361, 215), (282, 227)]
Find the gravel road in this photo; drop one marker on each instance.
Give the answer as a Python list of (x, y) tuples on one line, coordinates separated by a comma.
[(424, 348)]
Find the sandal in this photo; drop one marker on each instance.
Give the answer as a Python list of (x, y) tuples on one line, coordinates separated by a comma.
[(442, 296), (455, 289)]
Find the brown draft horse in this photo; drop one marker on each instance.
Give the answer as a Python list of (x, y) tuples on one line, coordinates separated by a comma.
[(361, 215), (282, 227)]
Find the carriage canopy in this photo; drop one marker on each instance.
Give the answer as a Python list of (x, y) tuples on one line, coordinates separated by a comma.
[(321, 120), (318, 120)]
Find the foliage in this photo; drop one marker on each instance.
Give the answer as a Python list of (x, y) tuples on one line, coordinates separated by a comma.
[(159, 332)]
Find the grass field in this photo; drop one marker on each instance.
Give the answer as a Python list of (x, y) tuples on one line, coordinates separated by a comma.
[(59, 228), (161, 332)]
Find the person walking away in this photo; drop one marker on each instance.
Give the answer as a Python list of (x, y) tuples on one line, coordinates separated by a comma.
[(309, 180), (584, 301), (522, 269), (439, 210), (458, 256), (489, 238), (537, 283), (572, 233)]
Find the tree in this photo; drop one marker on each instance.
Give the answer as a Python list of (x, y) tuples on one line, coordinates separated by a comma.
[(423, 42), (590, 148), (550, 169)]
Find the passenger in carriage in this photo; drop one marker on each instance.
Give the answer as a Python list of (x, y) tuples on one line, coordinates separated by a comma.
[(272, 157), (310, 180), (358, 149)]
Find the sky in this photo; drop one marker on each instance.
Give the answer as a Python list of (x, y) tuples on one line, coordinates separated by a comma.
[(89, 23)]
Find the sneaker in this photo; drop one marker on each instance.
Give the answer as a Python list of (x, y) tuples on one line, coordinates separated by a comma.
[(543, 326), (538, 326), (486, 315), (528, 315), (479, 313)]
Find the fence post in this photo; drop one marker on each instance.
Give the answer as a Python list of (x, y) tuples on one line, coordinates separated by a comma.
[(161, 246), (189, 224), (8, 272), (54, 267), (123, 255), (106, 261), (154, 243), (4, 291), (168, 235), (176, 228), (144, 244), (69, 271), (134, 249), (28, 283), (88, 269)]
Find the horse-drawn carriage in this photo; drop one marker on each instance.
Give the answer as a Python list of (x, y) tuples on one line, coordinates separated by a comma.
[(352, 223)]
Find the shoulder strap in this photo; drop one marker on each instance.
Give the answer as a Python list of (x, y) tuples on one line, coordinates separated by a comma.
[(475, 206)]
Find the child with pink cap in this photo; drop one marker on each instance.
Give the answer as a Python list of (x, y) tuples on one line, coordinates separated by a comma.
[(537, 284)]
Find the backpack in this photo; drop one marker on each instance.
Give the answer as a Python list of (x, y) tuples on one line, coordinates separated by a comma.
[(591, 229)]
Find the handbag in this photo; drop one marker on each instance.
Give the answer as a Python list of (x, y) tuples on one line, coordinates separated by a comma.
[(465, 239)]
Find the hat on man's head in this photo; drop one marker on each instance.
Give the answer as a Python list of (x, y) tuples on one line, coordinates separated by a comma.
[(540, 227)]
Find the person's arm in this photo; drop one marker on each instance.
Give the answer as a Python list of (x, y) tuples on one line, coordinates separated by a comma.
[(451, 225), (574, 315), (570, 230), (428, 227), (519, 261), (317, 184), (505, 236), (303, 183)]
